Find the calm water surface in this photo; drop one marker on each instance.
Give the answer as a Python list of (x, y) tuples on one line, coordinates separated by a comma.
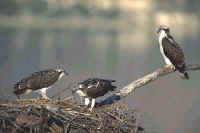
[(122, 53)]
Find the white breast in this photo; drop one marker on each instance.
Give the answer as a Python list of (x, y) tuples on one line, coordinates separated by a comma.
[(61, 75), (80, 93), (161, 36)]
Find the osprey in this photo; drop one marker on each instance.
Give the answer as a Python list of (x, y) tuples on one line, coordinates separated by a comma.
[(171, 51), (93, 88), (39, 82)]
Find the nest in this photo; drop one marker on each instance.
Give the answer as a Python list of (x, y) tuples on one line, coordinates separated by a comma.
[(65, 116)]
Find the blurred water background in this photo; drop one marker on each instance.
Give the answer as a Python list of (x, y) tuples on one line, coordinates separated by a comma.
[(106, 38)]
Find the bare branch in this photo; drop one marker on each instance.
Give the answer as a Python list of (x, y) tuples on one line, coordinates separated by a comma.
[(151, 77), (130, 88)]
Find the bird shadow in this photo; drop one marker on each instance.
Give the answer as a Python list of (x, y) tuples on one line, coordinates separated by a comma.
[(109, 100)]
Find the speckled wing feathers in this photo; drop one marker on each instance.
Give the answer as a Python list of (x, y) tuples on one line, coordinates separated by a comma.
[(37, 81), (98, 87), (174, 53)]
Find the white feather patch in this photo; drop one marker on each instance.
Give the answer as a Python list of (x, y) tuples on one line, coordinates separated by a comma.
[(61, 75), (87, 101), (93, 103), (43, 90), (80, 93), (80, 86), (161, 36)]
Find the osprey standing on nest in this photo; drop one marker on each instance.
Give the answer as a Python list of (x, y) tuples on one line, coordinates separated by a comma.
[(171, 51), (93, 88), (39, 82)]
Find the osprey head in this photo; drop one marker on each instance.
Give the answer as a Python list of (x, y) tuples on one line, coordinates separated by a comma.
[(80, 90), (81, 86), (163, 28), (61, 70)]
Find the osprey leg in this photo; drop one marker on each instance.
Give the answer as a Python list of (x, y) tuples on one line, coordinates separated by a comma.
[(92, 105), (43, 93), (87, 101)]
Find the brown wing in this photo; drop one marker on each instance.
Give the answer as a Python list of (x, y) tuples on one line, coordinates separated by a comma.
[(98, 87), (173, 52), (42, 79), (38, 80)]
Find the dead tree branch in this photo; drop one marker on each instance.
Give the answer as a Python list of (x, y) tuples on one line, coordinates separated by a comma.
[(151, 77), (130, 88)]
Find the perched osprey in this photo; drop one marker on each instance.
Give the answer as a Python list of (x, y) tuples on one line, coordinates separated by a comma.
[(39, 82), (171, 51), (93, 88)]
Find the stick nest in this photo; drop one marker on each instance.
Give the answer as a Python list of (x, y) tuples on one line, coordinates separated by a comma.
[(65, 116)]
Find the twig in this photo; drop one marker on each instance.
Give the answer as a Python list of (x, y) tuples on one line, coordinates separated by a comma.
[(114, 116), (69, 124)]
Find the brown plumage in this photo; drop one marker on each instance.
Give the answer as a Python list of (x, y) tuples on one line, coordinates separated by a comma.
[(96, 87), (38, 80), (171, 51), (93, 88)]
